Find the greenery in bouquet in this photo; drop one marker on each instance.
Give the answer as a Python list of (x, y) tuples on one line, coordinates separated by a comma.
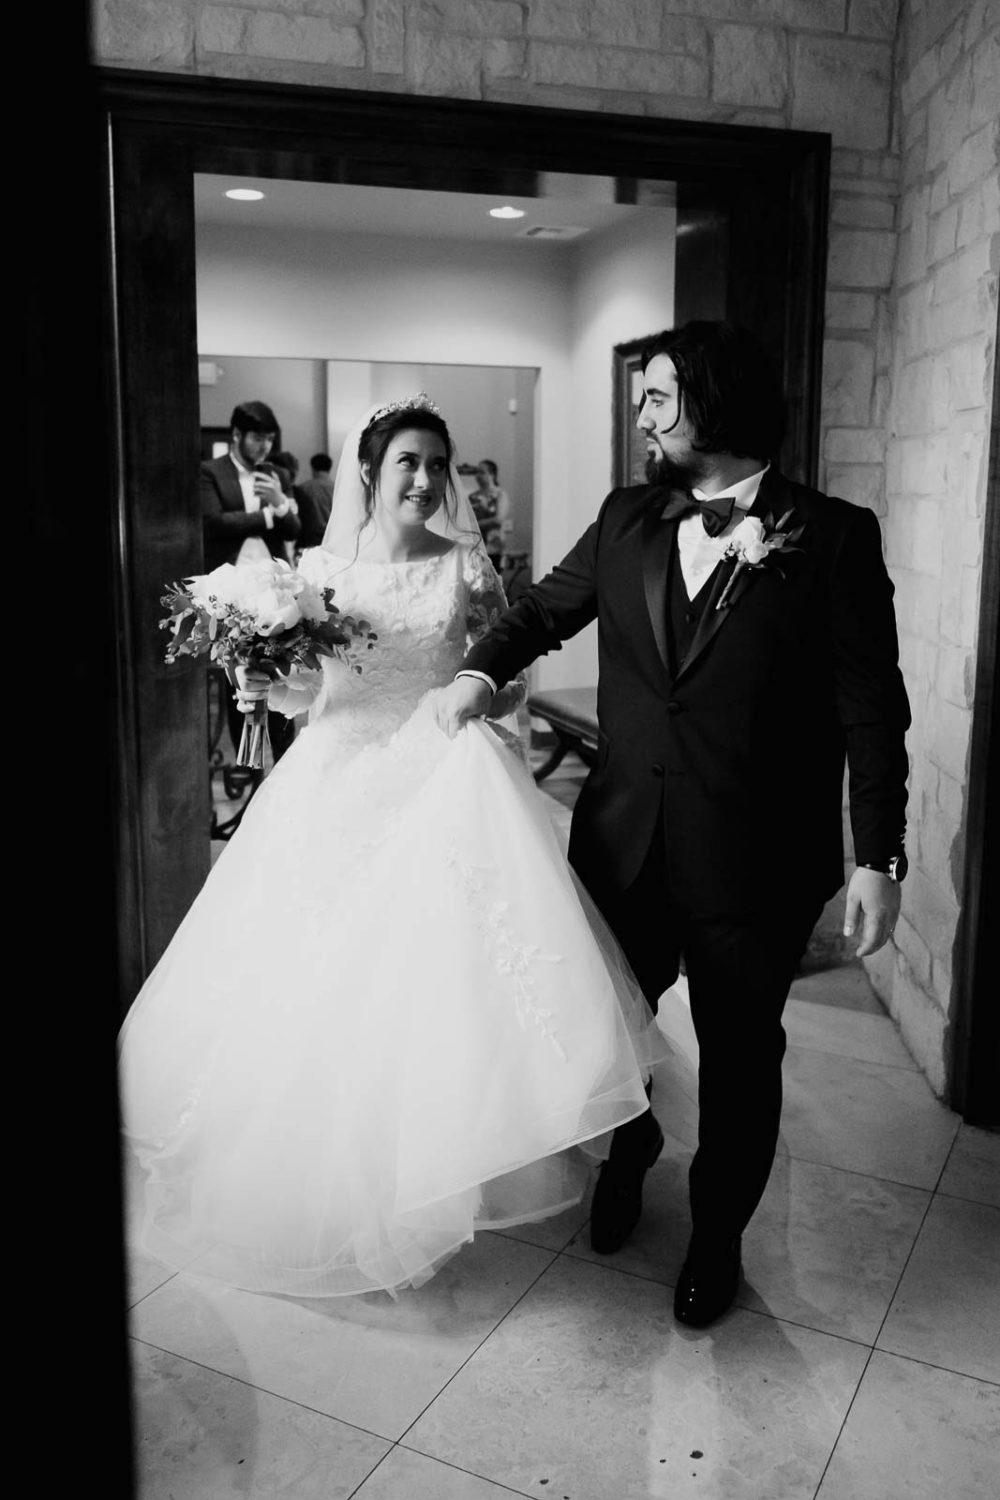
[(264, 616)]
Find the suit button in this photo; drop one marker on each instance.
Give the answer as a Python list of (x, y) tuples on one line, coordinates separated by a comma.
[(657, 769), (673, 707)]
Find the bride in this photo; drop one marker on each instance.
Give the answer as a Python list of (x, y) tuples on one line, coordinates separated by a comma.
[(391, 1015)]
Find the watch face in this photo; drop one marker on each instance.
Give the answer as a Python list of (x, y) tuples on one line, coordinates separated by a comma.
[(898, 867)]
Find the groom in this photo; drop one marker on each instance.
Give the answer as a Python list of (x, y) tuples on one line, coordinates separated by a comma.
[(747, 645)]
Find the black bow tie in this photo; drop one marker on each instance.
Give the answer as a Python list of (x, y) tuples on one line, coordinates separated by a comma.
[(715, 514)]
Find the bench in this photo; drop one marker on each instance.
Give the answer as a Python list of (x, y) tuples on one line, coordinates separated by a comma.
[(571, 713)]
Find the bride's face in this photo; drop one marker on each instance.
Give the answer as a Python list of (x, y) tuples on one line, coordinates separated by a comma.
[(410, 485)]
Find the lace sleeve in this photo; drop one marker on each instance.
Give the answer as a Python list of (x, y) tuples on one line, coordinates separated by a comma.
[(486, 604)]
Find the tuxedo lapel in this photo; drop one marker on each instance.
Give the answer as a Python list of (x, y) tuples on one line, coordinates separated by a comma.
[(657, 539)]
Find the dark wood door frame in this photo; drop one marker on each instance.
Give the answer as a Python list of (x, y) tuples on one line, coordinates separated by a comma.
[(763, 192)]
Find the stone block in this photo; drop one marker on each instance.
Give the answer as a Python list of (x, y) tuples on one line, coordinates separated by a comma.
[(875, 18), (862, 484), (569, 20), (751, 66), (221, 28), (559, 63), (386, 36), (926, 536), (860, 257), (913, 127), (952, 794), (986, 81), (948, 112), (942, 234), (969, 372), (953, 684), (931, 910), (911, 258), (979, 211), (922, 1024), (862, 212), (854, 445), (849, 310), (843, 86), (962, 318), (848, 372), (963, 272), (493, 18), (925, 463), (914, 950), (448, 65), (976, 158), (144, 31), (801, 15), (684, 34), (626, 23), (311, 39), (668, 73), (884, 333), (880, 400), (918, 82), (505, 59), (939, 192)]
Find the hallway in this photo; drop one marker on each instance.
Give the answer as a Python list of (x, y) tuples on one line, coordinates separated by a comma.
[(861, 1361)]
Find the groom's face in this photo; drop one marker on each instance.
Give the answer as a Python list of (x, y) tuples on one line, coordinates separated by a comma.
[(671, 458)]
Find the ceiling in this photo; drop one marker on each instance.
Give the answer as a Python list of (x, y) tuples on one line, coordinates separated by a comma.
[(344, 208)]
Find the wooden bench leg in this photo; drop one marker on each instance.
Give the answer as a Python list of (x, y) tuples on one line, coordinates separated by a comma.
[(562, 744)]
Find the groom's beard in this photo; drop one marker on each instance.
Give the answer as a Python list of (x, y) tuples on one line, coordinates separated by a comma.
[(670, 473)]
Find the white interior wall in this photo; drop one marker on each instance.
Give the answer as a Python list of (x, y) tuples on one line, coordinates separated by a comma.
[(294, 389), (557, 309)]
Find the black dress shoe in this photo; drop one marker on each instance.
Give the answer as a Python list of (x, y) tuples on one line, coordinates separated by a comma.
[(617, 1204), (707, 1285)]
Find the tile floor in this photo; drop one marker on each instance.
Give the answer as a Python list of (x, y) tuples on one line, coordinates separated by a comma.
[(861, 1361)]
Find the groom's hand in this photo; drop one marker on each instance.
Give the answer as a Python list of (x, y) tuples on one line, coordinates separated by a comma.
[(873, 897), (465, 698)]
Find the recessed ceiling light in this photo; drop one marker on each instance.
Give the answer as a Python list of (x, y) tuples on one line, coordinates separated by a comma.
[(244, 195), (507, 212)]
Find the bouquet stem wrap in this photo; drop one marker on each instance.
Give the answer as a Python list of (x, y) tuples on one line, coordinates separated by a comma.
[(254, 739)]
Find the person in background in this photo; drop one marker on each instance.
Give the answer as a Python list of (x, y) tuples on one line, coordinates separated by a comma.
[(315, 496), (246, 515), (492, 508)]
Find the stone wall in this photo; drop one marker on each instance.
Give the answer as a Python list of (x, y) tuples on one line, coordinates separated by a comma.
[(905, 92), (942, 336)]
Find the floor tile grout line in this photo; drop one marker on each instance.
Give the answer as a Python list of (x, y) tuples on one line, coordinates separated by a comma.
[(459, 1469), (909, 1257), (757, 1311), (856, 1172), (263, 1389), (840, 1429), (455, 1373), (931, 1364)]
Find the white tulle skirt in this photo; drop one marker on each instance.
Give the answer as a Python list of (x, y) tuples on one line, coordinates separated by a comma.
[(387, 1020)]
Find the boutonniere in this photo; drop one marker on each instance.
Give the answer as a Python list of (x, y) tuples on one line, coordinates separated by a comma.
[(754, 544)]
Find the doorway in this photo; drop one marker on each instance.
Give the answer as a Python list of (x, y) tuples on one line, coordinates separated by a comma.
[(750, 245)]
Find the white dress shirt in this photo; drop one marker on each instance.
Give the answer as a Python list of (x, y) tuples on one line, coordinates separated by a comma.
[(253, 548), (698, 552)]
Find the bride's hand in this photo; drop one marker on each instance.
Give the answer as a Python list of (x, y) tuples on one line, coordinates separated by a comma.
[(251, 687), (465, 698)]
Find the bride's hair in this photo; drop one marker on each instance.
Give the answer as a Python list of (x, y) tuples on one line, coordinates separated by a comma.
[(374, 444)]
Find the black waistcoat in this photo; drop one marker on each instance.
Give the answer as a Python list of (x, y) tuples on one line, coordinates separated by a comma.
[(683, 613)]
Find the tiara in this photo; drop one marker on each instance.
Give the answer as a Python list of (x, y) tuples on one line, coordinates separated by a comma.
[(420, 402)]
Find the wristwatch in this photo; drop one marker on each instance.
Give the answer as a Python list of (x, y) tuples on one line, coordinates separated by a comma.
[(896, 868)]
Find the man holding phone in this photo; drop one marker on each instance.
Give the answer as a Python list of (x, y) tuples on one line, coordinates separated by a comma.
[(246, 516)]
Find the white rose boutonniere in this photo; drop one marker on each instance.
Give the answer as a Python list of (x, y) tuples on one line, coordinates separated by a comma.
[(753, 543)]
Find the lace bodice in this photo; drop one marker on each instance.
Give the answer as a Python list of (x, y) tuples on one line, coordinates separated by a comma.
[(426, 615)]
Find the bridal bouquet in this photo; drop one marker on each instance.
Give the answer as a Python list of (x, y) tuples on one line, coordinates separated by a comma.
[(264, 616)]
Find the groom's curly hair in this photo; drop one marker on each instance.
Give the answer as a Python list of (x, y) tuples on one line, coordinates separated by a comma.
[(730, 389)]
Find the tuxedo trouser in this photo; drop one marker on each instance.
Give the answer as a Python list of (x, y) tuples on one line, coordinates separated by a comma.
[(739, 970)]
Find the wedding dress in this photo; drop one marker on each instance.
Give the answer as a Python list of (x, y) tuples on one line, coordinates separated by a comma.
[(391, 1012)]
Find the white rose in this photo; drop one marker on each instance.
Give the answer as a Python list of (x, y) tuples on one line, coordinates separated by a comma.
[(270, 622), (220, 584), (749, 538), (310, 602)]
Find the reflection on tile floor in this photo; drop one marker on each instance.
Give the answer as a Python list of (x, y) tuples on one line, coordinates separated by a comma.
[(861, 1362)]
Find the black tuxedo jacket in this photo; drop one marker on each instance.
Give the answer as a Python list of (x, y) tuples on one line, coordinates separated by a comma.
[(227, 523), (736, 755)]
